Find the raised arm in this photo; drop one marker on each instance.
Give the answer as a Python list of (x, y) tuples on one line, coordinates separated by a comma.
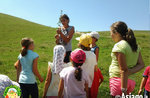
[(66, 38), (47, 82), (35, 70)]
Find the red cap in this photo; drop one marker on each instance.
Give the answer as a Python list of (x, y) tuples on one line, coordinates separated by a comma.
[(78, 56)]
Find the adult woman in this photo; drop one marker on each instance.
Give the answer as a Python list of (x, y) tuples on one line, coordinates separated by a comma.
[(126, 59)]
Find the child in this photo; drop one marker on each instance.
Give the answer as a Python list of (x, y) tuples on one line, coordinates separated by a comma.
[(27, 66), (90, 65), (52, 79), (95, 48), (145, 83), (126, 59), (74, 81), (65, 34), (98, 77)]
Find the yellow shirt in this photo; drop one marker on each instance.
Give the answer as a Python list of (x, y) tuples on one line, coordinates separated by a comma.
[(131, 57)]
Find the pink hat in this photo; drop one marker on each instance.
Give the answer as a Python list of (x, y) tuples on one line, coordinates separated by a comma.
[(78, 56)]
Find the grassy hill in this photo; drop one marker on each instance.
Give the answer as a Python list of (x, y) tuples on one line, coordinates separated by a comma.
[(13, 29)]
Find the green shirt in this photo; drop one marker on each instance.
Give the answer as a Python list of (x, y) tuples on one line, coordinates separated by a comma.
[(131, 57)]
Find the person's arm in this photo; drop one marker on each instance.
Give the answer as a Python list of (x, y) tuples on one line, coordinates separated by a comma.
[(18, 68), (66, 39), (100, 81), (61, 88), (143, 82), (16, 64), (101, 77), (97, 53), (87, 90), (140, 65), (123, 68), (35, 70), (47, 82), (18, 72), (95, 68), (56, 36)]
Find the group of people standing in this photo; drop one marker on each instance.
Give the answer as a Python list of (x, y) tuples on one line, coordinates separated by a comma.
[(75, 74), (71, 73)]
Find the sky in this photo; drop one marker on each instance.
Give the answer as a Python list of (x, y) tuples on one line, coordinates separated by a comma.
[(85, 15)]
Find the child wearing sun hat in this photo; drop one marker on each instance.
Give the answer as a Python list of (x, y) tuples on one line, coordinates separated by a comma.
[(90, 65), (98, 77), (94, 48)]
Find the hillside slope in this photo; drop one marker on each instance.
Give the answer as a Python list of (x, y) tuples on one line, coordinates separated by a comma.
[(13, 29)]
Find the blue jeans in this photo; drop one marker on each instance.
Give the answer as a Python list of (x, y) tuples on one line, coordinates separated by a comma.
[(146, 94)]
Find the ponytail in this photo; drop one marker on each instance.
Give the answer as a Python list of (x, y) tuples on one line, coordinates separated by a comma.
[(78, 71), (130, 38), (25, 44), (24, 51), (127, 34)]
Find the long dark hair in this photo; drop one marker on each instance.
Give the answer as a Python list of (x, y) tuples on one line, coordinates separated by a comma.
[(78, 71), (25, 42), (126, 33)]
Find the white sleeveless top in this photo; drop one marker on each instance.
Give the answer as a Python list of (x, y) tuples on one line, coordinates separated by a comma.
[(53, 87)]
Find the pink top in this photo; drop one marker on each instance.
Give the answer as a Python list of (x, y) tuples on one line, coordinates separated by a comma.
[(147, 74), (72, 87)]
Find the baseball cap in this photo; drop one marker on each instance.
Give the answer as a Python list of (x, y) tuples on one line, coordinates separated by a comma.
[(94, 34), (78, 56), (85, 40)]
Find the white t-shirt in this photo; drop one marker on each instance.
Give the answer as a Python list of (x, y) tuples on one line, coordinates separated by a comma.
[(72, 87), (89, 65)]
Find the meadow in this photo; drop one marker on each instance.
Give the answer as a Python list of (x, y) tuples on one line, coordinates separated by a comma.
[(13, 29)]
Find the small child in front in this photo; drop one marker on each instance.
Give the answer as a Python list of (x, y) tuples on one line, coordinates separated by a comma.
[(73, 80)]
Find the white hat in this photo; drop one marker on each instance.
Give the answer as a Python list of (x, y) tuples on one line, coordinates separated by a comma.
[(94, 34)]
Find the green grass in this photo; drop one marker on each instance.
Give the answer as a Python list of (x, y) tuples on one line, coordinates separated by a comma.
[(13, 29)]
